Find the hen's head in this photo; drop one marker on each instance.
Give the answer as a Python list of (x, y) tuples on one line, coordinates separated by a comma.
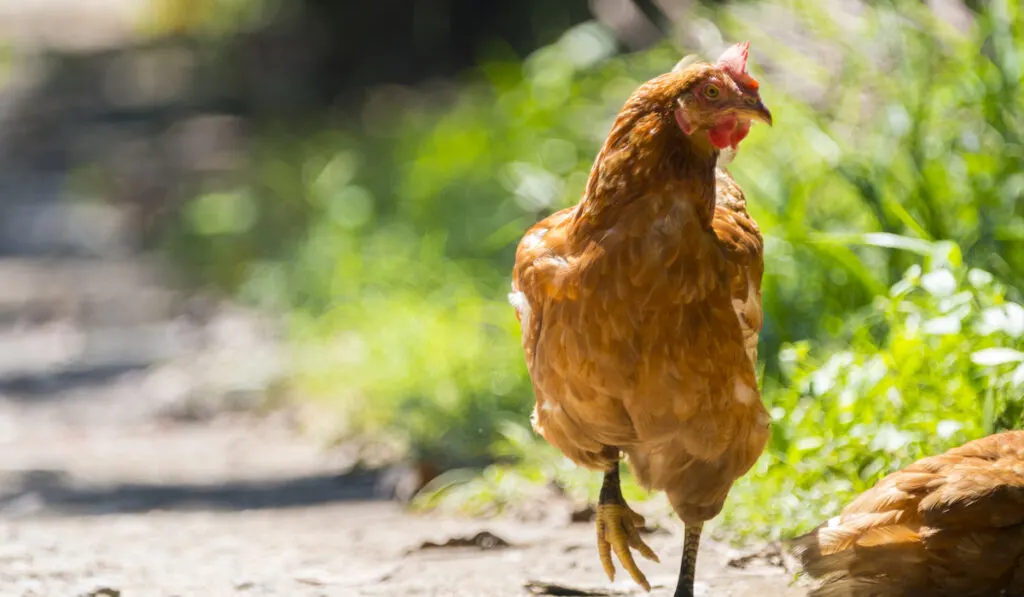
[(717, 100)]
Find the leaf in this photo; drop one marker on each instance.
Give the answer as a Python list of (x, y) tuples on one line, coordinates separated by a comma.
[(988, 410), (942, 326), (895, 241), (832, 246), (890, 439), (946, 253), (939, 282), (993, 357), (946, 429), (979, 278), (1008, 318), (807, 444)]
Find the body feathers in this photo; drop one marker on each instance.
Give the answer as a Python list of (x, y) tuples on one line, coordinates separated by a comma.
[(640, 309), (947, 525)]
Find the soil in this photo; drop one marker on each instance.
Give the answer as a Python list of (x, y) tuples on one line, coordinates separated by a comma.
[(243, 506)]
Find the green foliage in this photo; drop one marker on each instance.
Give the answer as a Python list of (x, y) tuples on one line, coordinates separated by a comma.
[(906, 129), (388, 237), (931, 365)]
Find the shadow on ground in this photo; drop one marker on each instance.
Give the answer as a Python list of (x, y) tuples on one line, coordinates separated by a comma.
[(53, 492), (28, 387)]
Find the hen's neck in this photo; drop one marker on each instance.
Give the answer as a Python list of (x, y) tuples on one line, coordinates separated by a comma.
[(648, 158)]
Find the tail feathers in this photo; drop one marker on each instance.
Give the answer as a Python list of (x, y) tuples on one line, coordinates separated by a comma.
[(890, 536), (856, 558), (860, 530), (859, 587)]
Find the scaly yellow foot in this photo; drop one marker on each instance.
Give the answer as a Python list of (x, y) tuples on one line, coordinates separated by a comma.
[(617, 526)]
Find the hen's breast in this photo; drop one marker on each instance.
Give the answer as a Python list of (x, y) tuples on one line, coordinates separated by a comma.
[(638, 326)]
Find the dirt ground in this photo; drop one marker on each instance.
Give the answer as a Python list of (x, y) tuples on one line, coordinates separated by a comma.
[(243, 508)]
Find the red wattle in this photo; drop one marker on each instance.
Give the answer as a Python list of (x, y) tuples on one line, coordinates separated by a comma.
[(722, 133), (740, 132)]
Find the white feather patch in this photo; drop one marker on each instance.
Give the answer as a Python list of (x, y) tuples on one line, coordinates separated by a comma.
[(522, 306), (533, 239), (726, 156), (743, 393), (685, 62)]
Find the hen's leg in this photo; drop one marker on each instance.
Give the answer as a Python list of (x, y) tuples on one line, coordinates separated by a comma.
[(617, 530), (691, 543)]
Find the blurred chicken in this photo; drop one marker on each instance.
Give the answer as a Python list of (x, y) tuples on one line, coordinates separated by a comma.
[(640, 308), (946, 525)]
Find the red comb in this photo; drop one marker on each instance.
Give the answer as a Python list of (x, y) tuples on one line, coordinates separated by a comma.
[(734, 62)]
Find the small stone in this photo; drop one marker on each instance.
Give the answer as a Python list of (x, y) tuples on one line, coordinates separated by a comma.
[(101, 591)]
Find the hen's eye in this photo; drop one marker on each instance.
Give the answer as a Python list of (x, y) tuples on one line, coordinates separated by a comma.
[(711, 92)]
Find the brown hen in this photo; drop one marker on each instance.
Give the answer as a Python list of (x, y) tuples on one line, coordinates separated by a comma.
[(640, 308), (946, 525)]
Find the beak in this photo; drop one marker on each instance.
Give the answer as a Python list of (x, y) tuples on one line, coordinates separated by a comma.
[(758, 112)]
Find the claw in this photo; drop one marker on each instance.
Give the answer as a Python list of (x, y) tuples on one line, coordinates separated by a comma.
[(617, 531)]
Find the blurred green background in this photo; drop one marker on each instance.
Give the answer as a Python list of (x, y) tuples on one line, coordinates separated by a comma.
[(394, 152)]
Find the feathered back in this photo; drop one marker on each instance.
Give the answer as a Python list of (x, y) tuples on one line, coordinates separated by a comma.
[(947, 525)]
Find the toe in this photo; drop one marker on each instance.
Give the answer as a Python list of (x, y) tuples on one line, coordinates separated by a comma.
[(604, 548), (617, 532), (637, 543), (620, 541)]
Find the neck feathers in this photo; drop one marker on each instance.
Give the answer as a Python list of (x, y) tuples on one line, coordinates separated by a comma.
[(646, 154)]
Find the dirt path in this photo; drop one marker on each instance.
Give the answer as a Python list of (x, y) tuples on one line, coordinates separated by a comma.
[(237, 508)]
